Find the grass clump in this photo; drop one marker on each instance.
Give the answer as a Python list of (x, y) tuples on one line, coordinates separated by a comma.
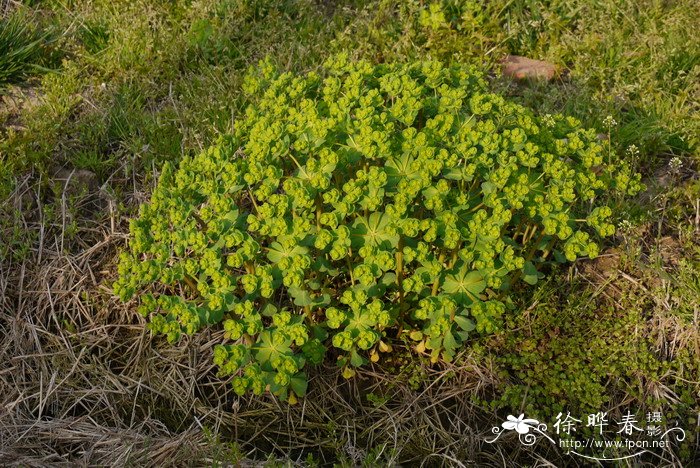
[(21, 49), (359, 204)]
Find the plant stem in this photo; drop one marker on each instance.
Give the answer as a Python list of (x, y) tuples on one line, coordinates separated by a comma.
[(436, 284), (190, 282), (399, 272), (252, 199), (249, 267), (454, 259), (319, 211), (352, 277), (200, 221), (548, 249)]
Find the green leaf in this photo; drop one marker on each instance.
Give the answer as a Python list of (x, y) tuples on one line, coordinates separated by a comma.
[(464, 286), (464, 281), (301, 297), (401, 166), (265, 348), (234, 215), (322, 300), (431, 192), (464, 323), (319, 332), (454, 173), (372, 231), (269, 310), (449, 343), (474, 282), (355, 359), (388, 278), (488, 188), (434, 343), (299, 383), (210, 316), (530, 273), (559, 257), (277, 252), (322, 265)]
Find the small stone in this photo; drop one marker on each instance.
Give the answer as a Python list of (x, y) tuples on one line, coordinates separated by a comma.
[(80, 188), (76, 181), (518, 67)]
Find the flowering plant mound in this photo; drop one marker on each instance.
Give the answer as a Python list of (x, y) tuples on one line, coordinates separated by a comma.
[(357, 205)]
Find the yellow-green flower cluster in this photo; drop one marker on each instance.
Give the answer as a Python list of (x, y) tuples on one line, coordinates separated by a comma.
[(358, 203)]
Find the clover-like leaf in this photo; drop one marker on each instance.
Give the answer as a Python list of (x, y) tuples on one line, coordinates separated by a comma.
[(267, 348), (373, 231), (465, 285), (277, 252)]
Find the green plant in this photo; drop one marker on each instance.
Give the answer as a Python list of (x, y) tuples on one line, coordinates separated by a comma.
[(20, 49), (363, 204)]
